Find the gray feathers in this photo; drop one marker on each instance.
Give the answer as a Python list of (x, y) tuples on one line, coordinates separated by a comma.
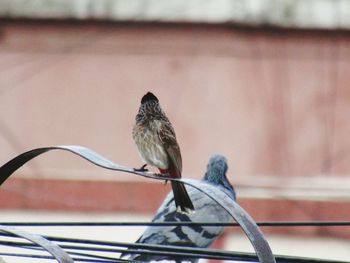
[(216, 174), (206, 210)]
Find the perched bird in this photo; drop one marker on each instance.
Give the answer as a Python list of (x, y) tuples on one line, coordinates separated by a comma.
[(214, 182), (156, 141)]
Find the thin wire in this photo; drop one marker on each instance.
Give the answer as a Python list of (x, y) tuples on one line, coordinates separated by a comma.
[(31, 246), (49, 257), (247, 257), (101, 249), (303, 223), (75, 247), (156, 249), (38, 248), (169, 249), (151, 251), (90, 255), (176, 223)]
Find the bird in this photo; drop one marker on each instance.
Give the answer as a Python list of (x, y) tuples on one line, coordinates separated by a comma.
[(214, 182), (156, 142)]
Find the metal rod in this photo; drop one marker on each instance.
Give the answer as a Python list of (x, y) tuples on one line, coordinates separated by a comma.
[(248, 225), (60, 255)]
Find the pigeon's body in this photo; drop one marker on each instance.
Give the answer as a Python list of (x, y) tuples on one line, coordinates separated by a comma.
[(207, 210)]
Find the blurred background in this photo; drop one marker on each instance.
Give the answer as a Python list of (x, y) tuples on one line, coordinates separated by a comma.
[(263, 82)]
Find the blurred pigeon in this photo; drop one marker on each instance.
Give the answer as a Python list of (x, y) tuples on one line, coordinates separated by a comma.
[(206, 210)]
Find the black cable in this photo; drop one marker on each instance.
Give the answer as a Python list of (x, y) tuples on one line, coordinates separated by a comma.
[(239, 256), (303, 223), (156, 249), (248, 257), (73, 247), (282, 259), (94, 256), (50, 257), (26, 245), (173, 250), (176, 223), (234, 256)]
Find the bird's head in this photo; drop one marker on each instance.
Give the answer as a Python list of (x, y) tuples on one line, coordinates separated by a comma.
[(149, 96), (216, 172), (149, 109)]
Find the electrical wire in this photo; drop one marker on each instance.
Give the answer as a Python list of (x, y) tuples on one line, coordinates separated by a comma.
[(143, 249), (167, 250), (189, 252), (176, 223), (30, 246), (76, 259)]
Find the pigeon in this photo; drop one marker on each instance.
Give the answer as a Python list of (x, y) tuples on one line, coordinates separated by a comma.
[(214, 182)]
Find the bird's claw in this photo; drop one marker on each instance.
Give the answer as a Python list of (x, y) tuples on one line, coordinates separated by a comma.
[(163, 175), (141, 169)]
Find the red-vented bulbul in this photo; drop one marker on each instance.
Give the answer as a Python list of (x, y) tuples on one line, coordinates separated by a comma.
[(156, 141)]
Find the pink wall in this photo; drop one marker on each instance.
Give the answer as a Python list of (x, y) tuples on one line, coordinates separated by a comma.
[(274, 102)]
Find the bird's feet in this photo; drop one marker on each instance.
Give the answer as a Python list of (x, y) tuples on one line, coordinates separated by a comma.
[(141, 169), (163, 174)]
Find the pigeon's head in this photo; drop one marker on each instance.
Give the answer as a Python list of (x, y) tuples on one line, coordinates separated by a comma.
[(216, 172)]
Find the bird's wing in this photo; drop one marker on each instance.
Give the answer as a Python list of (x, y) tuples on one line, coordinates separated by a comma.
[(168, 138)]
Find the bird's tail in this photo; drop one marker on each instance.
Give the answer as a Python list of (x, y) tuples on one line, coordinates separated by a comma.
[(182, 199)]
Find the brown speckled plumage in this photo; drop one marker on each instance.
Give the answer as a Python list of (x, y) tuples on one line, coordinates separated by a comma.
[(156, 141)]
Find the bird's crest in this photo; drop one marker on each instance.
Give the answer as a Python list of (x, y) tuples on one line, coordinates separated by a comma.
[(149, 96)]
